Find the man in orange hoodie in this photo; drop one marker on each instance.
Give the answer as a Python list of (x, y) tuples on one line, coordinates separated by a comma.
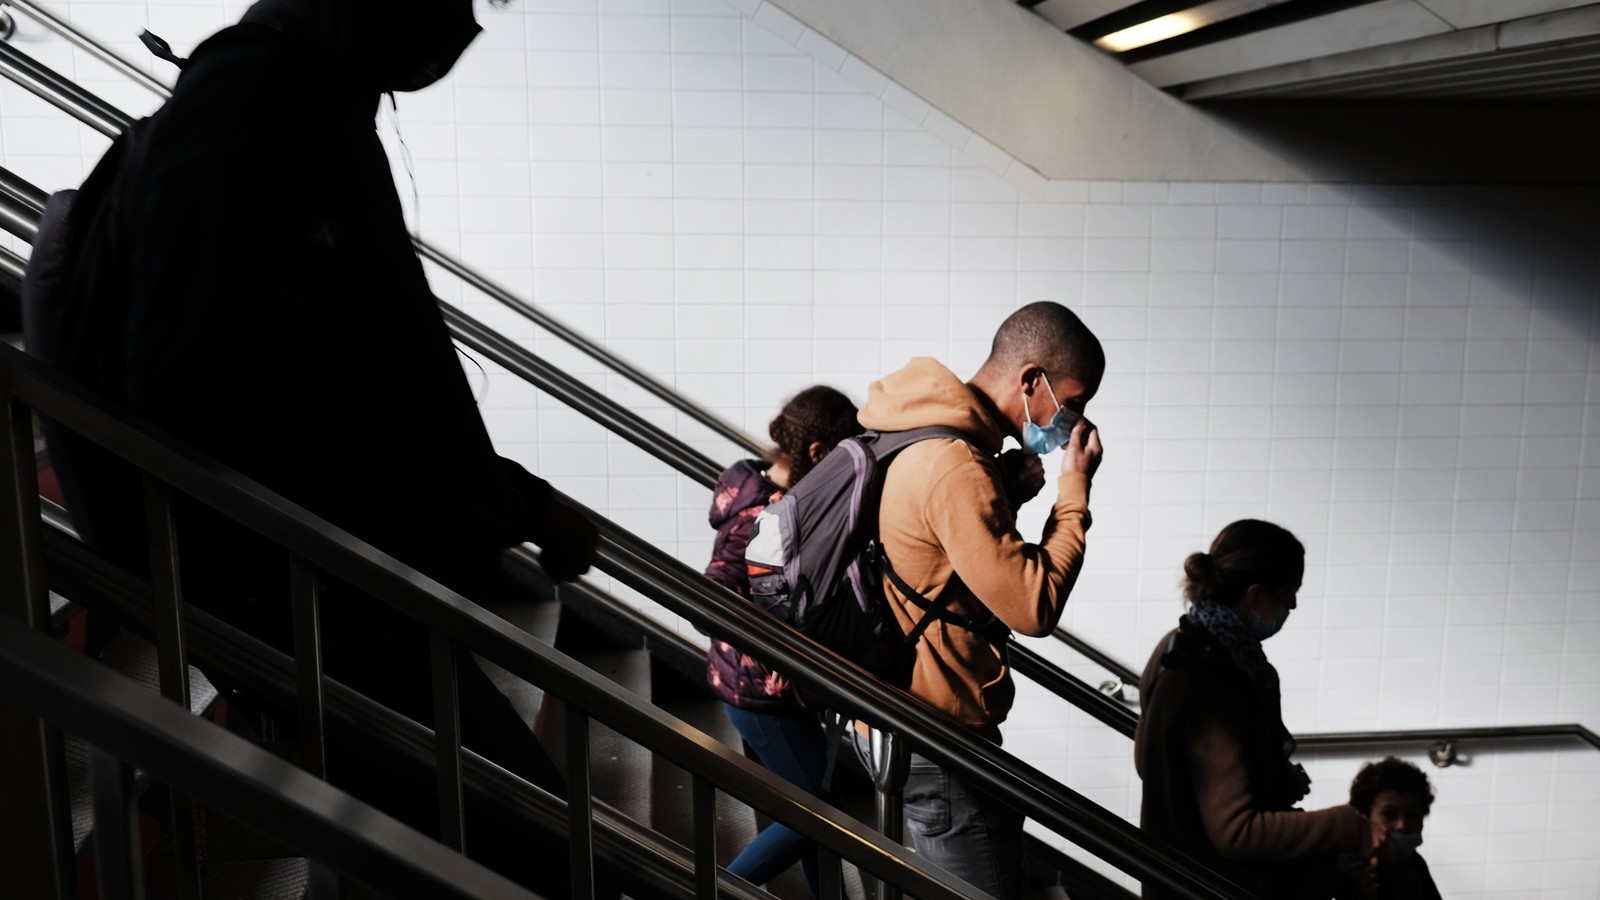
[(947, 523)]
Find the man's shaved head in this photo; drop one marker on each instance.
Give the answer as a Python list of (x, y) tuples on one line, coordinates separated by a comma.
[(1052, 337)]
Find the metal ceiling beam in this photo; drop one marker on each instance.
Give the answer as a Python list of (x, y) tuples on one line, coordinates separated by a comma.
[(1501, 47)]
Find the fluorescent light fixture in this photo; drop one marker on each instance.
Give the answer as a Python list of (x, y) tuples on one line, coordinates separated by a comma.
[(1174, 24), (1149, 32)]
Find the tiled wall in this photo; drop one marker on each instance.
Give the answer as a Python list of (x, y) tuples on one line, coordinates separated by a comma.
[(1406, 376)]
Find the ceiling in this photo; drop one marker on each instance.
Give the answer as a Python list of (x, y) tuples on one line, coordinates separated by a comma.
[(1481, 50)]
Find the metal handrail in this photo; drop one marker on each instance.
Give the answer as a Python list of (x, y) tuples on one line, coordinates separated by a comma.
[(583, 399), (366, 726), (139, 727), (684, 591), (1488, 734), (29, 384), (111, 122), (1097, 656), (82, 41), (593, 350)]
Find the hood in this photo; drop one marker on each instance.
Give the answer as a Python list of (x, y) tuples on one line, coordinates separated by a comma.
[(926, 393), (382, 45), (743, 485)]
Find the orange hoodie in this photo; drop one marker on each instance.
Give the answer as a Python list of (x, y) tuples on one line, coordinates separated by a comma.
[(946, 527)]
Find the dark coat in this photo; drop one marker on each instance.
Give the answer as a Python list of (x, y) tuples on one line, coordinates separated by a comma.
[(1217, 787), (741, 494), (279, 319)]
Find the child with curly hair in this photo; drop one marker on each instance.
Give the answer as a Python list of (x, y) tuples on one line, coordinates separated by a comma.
[(760, 702)]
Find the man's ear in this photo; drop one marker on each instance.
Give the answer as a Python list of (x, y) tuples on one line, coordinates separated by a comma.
[(816, 451), (1030, 377)]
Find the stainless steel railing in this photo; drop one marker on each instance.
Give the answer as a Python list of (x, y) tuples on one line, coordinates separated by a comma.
[(457, 626), (129, 727)]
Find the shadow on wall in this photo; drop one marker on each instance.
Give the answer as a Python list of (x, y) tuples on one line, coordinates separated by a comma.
[(1508, 247), (1426, 142)]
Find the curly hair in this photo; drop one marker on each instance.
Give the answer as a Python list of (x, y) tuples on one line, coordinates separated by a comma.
[(817, 415), (1245, 552), (1389, 774)]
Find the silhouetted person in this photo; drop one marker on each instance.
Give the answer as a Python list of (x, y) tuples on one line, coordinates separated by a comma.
[(271, 311)]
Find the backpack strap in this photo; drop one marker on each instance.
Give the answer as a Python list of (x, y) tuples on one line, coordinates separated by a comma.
[(989, 626), (887, 444)]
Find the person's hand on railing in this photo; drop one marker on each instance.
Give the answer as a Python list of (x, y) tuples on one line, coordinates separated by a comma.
[(566, 540)]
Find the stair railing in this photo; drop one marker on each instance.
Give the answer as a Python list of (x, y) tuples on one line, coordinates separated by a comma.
[(457, 625), (1108, 710), (362, 725), (129, 727)]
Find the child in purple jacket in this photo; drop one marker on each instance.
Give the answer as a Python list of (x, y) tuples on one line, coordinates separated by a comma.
[(760, 703)]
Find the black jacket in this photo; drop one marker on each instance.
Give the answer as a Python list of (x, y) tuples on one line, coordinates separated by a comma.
[(278, 318)]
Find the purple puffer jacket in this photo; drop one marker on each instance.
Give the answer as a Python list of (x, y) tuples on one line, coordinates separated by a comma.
[(741, 494)]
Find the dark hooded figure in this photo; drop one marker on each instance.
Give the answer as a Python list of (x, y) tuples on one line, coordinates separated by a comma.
[(278, 319)]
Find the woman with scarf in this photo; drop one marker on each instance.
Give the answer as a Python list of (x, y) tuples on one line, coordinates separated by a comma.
[(1211, 746)]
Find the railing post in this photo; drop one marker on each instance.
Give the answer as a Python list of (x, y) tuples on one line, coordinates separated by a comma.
[(580, 803), (447, 742), (116, 828), (35, 832), (891, 764), (172, 660), (308, 666), (705, 839), (323, 883), (830, 875)]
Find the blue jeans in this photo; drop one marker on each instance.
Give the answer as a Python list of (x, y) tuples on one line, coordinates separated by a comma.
[(792, 747), (964, 831)]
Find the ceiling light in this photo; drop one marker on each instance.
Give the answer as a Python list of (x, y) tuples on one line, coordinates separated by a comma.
[(1174, 24)]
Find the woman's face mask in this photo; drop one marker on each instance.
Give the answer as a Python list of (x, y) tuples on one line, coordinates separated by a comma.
[(1050, 437), (1261, 629)]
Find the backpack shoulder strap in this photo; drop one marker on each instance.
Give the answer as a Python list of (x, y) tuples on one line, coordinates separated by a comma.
[(888, 443), (885, 445)]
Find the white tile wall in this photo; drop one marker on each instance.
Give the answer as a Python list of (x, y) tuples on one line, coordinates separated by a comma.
[(1406, 376)]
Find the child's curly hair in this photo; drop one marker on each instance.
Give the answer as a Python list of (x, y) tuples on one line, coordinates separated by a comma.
[(1389, 774), (818, 414)]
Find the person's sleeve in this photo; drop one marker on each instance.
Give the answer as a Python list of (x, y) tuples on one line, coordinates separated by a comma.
[(530, 498), (1237, 829), (1025, 585), (727, 554)]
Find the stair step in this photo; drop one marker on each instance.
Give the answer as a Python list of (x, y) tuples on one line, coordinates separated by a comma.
[(540, 619), (672, 788), (619, 767), (255, 879), (135, 659)]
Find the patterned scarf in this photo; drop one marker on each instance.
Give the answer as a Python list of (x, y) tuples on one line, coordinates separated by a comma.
[(1225, 625)]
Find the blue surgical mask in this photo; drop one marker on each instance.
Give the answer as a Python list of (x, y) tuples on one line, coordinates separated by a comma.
[(1405, 844), (1261, 629), (1053, 436)]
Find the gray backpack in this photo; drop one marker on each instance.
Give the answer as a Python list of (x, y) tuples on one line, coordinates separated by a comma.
[(816, 564)]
